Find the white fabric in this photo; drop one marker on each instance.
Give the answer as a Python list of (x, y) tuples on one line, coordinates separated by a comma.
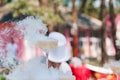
[(65, 68), (76, 62), (59, 37), (59, 54), (35, 70), (11, 49), (10, 60), (99, 69)]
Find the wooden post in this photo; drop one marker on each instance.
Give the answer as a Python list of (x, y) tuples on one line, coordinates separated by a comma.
[(75, 38)]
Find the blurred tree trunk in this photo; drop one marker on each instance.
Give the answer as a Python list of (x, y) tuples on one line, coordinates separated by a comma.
[(1, 2), (43, 2), (74, 11), (40, 2), (75, 27), (103, 30), (102, 10), (112, 18), (55, 6), (82, 7)]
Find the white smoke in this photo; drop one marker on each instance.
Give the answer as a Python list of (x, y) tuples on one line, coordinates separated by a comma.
[(32, 28)]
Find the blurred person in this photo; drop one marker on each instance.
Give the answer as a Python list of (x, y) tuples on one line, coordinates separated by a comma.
[(79, 69), (100, 72), (57, 57)]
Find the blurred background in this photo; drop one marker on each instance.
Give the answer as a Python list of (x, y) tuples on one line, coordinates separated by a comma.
[(92, 27)]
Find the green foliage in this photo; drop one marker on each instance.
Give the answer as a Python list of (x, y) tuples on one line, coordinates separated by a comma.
[(48, 15), (90, 10), (2, 77), (22, 7), (117, 10)]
